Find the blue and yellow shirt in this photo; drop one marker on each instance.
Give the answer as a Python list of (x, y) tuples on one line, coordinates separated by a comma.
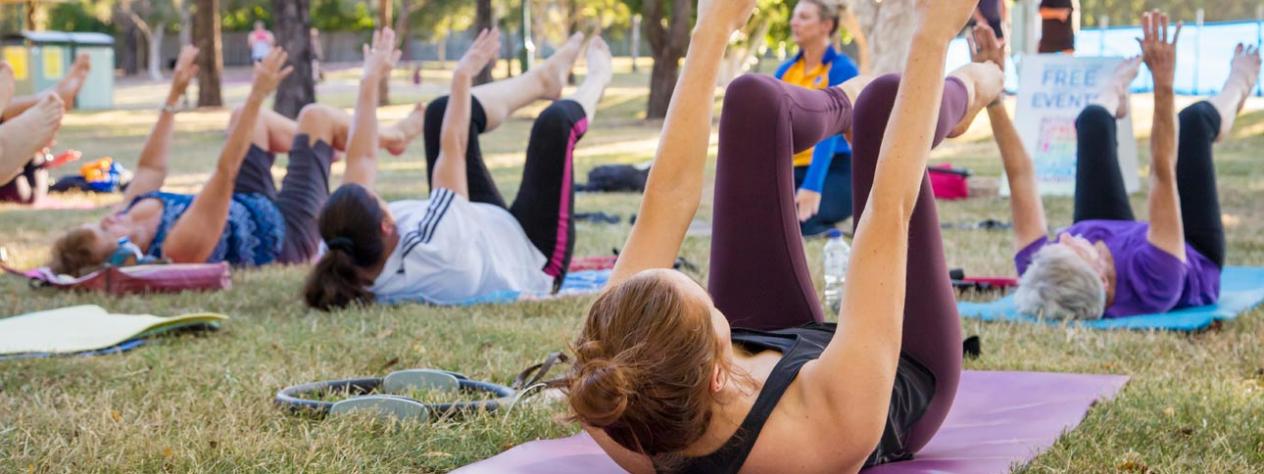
[(835, 68)]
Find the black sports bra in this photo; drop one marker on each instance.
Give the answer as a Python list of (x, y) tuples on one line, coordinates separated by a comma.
[(914, 388)]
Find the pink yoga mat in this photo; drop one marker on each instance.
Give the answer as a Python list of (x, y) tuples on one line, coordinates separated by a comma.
[(998, 420)]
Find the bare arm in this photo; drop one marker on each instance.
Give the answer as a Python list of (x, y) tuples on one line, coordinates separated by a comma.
[(454, 135), (1166, 229), (195, 234), (674, 187), (362, 143), (855, 373), (151, 170), (1025, 205)]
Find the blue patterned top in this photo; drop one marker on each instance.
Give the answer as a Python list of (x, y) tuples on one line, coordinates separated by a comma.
[(253, 235)]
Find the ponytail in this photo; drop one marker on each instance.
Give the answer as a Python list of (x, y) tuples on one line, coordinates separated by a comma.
[(350, 224)]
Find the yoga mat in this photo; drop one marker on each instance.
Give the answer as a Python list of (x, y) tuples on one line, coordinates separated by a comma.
[(587, 275), (87, 328), (999, 419), (1241, 289)]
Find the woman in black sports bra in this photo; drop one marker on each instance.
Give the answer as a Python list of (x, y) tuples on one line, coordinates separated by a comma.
[(662, 382)]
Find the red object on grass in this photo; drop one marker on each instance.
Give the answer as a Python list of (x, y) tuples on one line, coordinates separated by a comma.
[(949, 183)]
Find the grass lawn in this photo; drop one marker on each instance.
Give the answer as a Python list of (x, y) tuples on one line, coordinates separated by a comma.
[(196, 403)]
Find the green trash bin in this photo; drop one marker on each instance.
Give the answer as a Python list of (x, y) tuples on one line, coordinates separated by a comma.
[(40, 59), (98, 89)]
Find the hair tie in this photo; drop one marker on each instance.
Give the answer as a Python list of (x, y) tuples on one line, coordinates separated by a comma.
[(341, 243)]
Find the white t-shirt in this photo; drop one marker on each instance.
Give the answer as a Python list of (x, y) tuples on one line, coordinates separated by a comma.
[(453, 251)]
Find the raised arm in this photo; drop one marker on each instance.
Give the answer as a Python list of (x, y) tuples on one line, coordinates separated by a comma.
[(454, 136), (195, 234), (1166, 230), (856, 371), (362, 143), (674, 188), (1025, 205), (151, 171)]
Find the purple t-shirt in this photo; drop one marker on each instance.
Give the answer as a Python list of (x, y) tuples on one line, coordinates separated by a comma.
[(1147, 279)]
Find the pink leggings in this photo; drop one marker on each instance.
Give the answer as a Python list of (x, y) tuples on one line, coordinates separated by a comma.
[(759, 273)]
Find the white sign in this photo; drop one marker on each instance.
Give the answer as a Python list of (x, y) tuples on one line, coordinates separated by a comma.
[(1053, 90)]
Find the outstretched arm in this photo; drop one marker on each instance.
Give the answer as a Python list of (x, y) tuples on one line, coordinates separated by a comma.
[(151, 171), (454, 136), (362, 143), (195, 234), (674, 187), (1025, 205), (854, 376), (1166, 229)]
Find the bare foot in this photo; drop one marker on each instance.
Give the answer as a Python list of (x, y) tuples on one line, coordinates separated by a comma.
[(1244, 71), (28, 133), (1121, 84), (600, 73), (6, 85), (395, 139), (985, 82), (69, 86), (554, 71)]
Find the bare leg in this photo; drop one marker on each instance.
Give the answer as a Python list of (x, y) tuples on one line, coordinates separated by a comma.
[(275, 132), (600, 71), (395, 138), (984, 82), (23, 136), (501, 98), (66, 90), (1242, 76), (1114, 95)]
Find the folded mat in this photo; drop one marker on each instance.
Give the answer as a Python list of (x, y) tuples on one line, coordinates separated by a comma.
[(87, 328), (1241, 289), (999, 419)]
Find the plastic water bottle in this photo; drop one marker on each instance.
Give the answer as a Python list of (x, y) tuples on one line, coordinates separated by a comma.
[(836, 253)]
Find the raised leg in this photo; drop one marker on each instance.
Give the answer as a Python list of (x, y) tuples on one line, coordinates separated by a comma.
[(482, 187), (932, 329), (501, 98), (759, 274), (1099, 184), (1200, 124)]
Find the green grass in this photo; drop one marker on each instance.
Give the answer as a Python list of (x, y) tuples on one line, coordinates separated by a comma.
[(203, 402)]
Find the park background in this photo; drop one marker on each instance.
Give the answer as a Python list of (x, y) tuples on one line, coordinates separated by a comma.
[(202, 403)]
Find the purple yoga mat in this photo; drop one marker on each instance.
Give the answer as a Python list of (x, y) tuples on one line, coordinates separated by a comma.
[(998, 420)]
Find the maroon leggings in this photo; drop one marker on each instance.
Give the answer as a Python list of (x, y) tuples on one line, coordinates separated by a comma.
[(759, 274)]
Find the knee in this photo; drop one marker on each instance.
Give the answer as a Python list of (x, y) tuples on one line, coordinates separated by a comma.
[(753, 96), (1200, 118), (561, 114), (877, 97), (435, 111), (315, 119)]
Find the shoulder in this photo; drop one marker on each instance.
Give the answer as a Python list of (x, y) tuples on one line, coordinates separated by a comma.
[(785, 66), (842, 69)]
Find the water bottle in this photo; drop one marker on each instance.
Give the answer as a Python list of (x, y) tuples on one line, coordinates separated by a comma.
[(836, 253)]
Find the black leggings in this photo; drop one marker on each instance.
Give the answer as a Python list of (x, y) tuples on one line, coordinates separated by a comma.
[(759, 273), (544, 206), (1099, 184)]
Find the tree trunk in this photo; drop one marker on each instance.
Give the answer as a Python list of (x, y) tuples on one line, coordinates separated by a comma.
[(888, 27), (293, 33), (128, 60), (668, 44), (155, 51), (482, 21), (384, 10), (211, 59), (186, 24)]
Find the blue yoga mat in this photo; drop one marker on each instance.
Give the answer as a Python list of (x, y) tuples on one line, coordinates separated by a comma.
[(576, 283), (1241, 289)]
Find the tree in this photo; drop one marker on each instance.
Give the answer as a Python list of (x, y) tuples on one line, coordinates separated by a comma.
[(669, 41), (293, 33), (149, 19), (483, 20), (206, 34), (384, 10)]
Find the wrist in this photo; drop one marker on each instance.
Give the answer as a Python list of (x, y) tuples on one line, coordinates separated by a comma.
[(709, 30)]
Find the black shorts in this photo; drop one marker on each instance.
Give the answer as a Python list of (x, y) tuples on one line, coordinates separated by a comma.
[(303, 192)]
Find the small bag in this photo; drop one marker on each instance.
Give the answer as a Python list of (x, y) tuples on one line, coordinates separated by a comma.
[(949, 183), (616, 178), (165, 278)]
